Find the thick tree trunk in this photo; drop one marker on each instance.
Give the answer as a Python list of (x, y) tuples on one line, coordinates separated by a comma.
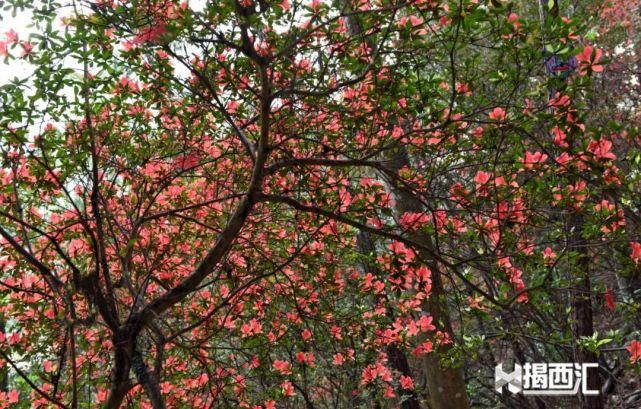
[(117, 394), (581, 300), (128, 358), (148, 382), (120, 383), (582, 310), (446, 385)]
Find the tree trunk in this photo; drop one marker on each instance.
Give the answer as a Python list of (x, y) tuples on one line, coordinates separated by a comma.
[(148, 382), (582, 310), (446, 384), (120, 383)]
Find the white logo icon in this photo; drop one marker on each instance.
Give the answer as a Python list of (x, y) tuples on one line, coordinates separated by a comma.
[(545, 379)]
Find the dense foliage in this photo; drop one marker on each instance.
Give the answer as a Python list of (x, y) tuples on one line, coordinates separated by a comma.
[(319, 204)]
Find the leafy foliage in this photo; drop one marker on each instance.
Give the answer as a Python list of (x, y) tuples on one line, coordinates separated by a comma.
[(316, 204)]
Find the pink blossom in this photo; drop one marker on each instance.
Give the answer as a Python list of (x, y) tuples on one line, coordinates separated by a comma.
[(636, 252), (498, 114), (407, 382)]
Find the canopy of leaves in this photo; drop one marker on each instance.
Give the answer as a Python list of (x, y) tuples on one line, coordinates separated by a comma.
[(320, 204)]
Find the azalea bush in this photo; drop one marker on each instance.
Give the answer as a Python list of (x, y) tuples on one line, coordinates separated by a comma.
[(317, 203)]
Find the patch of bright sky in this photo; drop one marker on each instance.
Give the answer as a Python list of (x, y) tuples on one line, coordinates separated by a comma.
[(16, 67), (22, 24)]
